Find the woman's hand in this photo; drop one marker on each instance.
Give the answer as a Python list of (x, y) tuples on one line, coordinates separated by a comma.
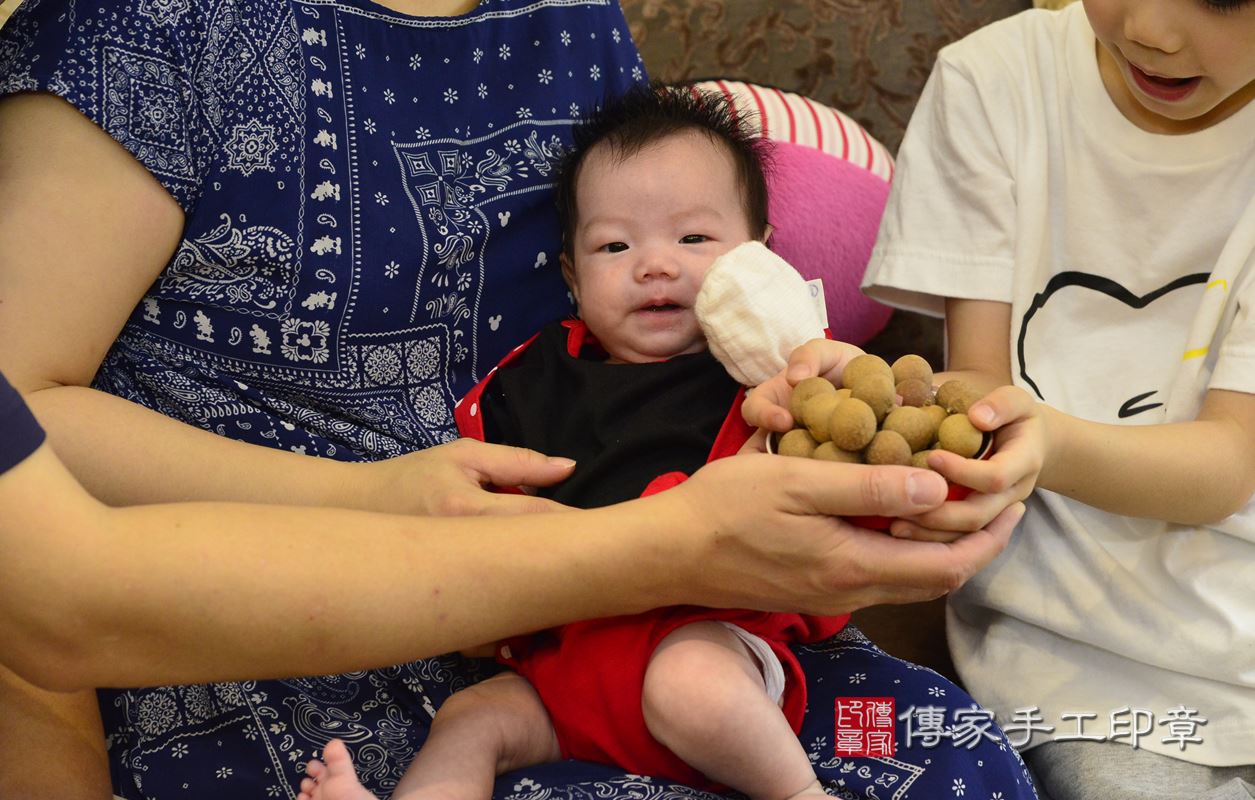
[(1005, 478), (767, 405), (776, 540), (456, 479)]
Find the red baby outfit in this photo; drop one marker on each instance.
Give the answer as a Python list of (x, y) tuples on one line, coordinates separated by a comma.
[(633, 429)]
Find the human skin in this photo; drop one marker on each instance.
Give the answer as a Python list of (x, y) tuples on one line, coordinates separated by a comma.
[(1195, 472), (753, 531), (78, 206), (651, 222), (1209, 42), (746, 532), (641, 248)]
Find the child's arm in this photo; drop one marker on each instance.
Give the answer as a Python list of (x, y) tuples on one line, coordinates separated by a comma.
[(1192, 473)]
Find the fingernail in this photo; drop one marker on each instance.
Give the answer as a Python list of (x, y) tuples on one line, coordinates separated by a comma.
[(923, 489), (558, 461), (982, 413)]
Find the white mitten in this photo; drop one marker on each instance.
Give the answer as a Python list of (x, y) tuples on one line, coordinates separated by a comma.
[(755, 309)]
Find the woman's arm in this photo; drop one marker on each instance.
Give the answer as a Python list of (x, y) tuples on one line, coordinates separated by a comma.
[(188, 593), (86, 230), (1193, 473)]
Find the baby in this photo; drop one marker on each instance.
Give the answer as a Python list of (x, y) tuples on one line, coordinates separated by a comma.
[(658, 186)]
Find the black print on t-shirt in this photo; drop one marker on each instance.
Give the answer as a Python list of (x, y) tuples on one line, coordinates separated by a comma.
[(1086, 344)]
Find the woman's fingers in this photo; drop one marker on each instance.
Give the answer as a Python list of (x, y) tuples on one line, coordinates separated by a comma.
[(858, 490), (781, 544), (502, 465), (944, 566)]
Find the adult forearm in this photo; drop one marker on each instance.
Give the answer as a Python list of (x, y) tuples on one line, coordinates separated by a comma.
[(230, 592), (200, 592), (126, 454), (1187, 472)]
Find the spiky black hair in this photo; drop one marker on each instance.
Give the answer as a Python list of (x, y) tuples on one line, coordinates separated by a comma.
[(650, 114)]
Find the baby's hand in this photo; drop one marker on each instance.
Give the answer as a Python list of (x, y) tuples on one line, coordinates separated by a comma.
[(767, 405), (1005, 478)]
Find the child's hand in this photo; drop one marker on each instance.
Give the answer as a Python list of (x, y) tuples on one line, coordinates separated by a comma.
[(767, 405), (1005, 478)]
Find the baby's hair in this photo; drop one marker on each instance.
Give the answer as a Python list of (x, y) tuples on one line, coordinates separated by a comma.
[(650, 114)]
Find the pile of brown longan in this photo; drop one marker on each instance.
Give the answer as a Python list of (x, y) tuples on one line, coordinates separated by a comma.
[(862, 423)]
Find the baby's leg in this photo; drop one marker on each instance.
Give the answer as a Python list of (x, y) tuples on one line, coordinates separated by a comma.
[(704, 698), (479, 733)]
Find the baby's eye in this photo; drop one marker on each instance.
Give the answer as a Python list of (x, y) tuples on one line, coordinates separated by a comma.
[(693, 238), (614, 247)]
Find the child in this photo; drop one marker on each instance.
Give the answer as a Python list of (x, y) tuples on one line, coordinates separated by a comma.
[(697, 695), (1076, 191)]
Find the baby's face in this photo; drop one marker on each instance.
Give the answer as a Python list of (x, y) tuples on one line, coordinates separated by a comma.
[(1176, 66), (649, 228)]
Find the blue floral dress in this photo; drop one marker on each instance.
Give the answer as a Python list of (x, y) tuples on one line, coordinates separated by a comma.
[(368, 229)]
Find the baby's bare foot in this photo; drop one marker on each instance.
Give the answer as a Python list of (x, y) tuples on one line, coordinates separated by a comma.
[(334, 779)]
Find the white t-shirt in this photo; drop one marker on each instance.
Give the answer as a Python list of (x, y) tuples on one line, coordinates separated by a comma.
[(1127, 258)]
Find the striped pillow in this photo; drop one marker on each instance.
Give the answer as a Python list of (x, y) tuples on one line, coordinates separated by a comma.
[(789, 117)]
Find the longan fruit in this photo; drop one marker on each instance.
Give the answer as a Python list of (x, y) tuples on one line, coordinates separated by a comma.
[(853, 424), (936, 415), (915, 392), (830, 452), (816, 412), (913, 424), (805, 390), (958, 435), (957, 396), (797, 442), (843, 393), (877, 391), (920, 459), (912, 367), (862, 366), (888, 447)]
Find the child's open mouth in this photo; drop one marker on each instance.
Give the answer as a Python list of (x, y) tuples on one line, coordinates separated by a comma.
[(1168, 90)]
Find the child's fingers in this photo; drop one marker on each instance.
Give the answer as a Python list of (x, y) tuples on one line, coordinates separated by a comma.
[(824, 357), (767, 405), (960, 516), (902, 529), (756, 443), (1002, 406), (993, 475)]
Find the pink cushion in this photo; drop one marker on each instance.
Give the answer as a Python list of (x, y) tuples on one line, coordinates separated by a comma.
[(827, 183)]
